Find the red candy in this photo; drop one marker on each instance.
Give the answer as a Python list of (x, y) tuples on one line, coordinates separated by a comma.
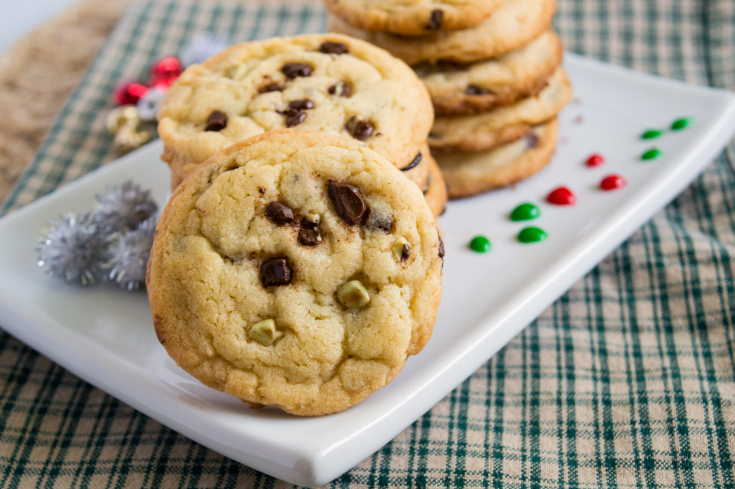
[(561, 196), (164, 72), (595, 159), (611, 182), (128, 93)]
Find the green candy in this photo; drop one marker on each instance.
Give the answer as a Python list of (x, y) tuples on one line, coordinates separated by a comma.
[(480, 244), (682, 123), (651, 154), (651, 134), (532, 235), (525, 212)]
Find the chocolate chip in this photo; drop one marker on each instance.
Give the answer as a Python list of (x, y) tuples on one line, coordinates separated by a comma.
[(279, 213), (310, 222), (341, 89), (330, 47), (475, 90), (448, 64), (532, 140), (405, 252), (216, 121), (302, 104), (275, 272), (295, 117), (435, 19), (441, 247), (271, 87), (310, 237), (427, 184), (380, 222), (348, 203), (414, 163), (359, 129), (294, 70)]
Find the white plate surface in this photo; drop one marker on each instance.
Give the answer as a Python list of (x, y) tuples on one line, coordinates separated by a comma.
[(106, 336)]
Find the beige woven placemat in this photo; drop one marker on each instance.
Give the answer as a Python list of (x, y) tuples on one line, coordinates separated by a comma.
[(39, 72)]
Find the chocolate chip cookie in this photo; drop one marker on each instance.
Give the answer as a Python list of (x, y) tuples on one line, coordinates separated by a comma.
[(471, 173), (513, 24), (487, 130), (316, 82), (465, 89), (435, 188), (412, 18), (297, 270)]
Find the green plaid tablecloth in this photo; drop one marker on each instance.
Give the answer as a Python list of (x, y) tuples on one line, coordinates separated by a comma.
[(628, 380)]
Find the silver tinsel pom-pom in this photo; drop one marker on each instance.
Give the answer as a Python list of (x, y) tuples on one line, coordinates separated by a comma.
[(73, 249), (124, 207), (128, 255)]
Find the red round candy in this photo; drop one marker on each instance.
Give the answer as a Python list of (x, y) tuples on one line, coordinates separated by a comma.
[(166, 71), (128, 93), (611, 182), (561, 196), (595, 159)]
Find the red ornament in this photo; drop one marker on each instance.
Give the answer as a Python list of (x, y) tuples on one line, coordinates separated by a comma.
[(561, 196), (128, 93), (595, 159), (611, 182), (165, 72)]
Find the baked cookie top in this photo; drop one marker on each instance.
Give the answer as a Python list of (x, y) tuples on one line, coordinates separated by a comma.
[(412, 17), (464, 89), (296, 270), (513, 24), (317, 82)]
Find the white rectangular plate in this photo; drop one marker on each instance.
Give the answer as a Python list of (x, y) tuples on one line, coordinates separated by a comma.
[(105, 335)]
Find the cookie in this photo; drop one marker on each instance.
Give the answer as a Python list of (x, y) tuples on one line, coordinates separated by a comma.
[(513, 24), (412, 18), (458, 89), (418, 168), (297, 270), (487, 130), (317, 82), (472, 173), (435, 188)]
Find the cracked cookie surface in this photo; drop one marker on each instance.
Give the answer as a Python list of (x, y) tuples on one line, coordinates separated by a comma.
[(412, 17), (513, 24), (464, 89), (316, 82), (244, 305), (472, 173), (487, 130)]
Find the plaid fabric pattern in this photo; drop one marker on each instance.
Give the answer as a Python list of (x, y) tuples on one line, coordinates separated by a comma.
[(628, 380)]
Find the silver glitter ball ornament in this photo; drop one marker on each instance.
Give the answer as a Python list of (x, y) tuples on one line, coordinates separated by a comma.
[(128, 255), (122, 208), (73, 249)]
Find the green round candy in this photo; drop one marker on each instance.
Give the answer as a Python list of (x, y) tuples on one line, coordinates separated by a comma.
[(651, 154), (682, 123), (532, 235), (651, 134), (480, 244), (525, 212)]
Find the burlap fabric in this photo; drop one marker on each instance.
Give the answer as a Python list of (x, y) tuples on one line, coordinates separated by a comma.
[(628, 380)]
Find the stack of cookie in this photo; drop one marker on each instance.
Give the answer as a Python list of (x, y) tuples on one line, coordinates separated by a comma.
[(325, 83), (492, 68)]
